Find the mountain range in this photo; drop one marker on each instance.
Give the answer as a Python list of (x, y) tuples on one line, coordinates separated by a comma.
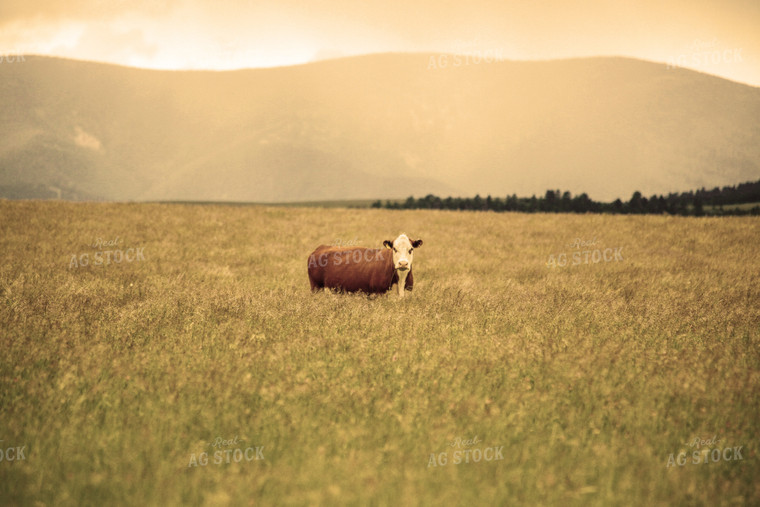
[(376, 126)]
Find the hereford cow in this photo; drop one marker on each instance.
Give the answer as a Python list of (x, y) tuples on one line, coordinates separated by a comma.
[(363, 269)]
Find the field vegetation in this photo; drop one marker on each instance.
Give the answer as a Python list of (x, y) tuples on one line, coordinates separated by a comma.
[(115, 377)]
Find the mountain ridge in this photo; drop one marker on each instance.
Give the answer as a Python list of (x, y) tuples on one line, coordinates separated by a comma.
[(377, 126)]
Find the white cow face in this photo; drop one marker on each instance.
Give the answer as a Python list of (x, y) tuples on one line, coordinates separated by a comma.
[(403, 251)]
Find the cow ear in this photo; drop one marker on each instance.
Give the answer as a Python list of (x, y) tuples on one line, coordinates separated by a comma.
[(417, 243), (388, 244)]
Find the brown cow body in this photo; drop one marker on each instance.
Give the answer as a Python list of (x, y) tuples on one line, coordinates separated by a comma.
[(359, 269)]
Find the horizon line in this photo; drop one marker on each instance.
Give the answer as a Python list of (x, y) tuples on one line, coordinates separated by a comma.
[(385, 53)]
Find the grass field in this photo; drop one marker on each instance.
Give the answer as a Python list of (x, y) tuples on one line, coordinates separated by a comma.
[(582, 380), (344, 203)]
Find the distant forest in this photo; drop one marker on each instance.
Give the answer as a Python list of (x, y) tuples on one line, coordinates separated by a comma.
[(718, 201)]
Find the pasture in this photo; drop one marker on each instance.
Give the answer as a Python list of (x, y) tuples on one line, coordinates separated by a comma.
[(582, 380)]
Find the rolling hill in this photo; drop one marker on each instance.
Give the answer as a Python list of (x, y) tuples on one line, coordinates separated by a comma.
[(378, 126)]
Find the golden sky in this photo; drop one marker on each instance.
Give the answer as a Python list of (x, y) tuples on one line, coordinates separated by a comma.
[(720, 37)]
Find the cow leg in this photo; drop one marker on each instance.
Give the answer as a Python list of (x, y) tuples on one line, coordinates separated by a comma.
[(409, 285), (401, 282)]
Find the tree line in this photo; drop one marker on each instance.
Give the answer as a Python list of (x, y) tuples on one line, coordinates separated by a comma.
[(718, 201)]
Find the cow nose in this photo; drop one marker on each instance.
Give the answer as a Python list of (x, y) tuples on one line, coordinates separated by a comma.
[(403, 264)]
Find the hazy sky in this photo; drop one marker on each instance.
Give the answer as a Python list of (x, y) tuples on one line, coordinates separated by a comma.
[(719, 37)]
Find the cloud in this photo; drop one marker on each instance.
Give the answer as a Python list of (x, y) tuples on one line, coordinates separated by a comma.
[(106, 41), (202, 34), (109, 43), (41, 11), (327, 54), (86, 140)]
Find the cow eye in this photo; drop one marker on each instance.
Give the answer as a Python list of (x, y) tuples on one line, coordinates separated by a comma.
[(394, 249), (410, 250)]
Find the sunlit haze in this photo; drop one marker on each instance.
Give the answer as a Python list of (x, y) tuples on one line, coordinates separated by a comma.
[(715, 37)]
